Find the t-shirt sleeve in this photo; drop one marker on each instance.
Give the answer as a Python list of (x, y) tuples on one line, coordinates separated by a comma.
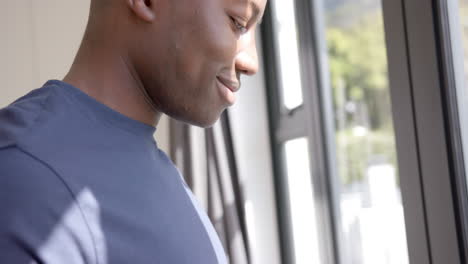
[(40, 219)]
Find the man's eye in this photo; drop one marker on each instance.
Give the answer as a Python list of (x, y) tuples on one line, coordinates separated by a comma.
[(239, 27)]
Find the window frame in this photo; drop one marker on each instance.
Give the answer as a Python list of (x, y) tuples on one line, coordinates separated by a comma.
[(423, 80)]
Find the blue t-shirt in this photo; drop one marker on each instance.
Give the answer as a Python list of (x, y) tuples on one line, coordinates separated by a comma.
[(82, 183)]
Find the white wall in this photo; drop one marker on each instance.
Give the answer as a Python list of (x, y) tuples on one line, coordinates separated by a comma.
[(38, 41)]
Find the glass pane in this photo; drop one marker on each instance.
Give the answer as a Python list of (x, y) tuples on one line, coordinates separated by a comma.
[(301, 202), (459, 39), (286, 43), (371, 221)]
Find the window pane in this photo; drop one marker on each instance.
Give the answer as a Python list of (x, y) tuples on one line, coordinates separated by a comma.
[(459, 39), (372, 221), (286, 42), (301, 202)]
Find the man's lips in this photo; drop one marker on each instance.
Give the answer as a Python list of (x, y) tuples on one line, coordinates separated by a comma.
[(234, 86)]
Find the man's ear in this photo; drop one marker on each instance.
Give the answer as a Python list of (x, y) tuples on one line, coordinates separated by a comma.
[(143, 9)]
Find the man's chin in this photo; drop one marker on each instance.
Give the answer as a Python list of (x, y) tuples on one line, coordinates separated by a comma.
[(203, 121)]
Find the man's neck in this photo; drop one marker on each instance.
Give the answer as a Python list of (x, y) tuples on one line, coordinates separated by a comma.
[(111, 80)]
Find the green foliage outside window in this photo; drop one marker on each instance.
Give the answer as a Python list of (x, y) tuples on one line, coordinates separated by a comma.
[(359, 79)]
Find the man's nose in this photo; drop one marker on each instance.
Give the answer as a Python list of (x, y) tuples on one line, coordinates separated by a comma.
[(246, 61)]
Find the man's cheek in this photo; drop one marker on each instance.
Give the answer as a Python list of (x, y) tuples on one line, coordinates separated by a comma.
[(224, 46)]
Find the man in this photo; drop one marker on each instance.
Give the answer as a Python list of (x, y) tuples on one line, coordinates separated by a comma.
[(81, 178)]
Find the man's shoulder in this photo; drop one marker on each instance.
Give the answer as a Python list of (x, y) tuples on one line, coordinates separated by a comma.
[(40, 214), (19, 117), (25, 180), (30, 188)]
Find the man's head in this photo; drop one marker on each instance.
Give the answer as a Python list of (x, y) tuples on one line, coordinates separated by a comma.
[(188, 54)]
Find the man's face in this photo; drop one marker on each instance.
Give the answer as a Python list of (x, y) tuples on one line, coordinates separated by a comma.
[(191, 57)]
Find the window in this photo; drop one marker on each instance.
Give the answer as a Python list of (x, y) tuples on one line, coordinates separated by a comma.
[(286, 39), (300, 238), (301, 202), (454, 38), (457, 40), (369, 195), (371, 121)]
